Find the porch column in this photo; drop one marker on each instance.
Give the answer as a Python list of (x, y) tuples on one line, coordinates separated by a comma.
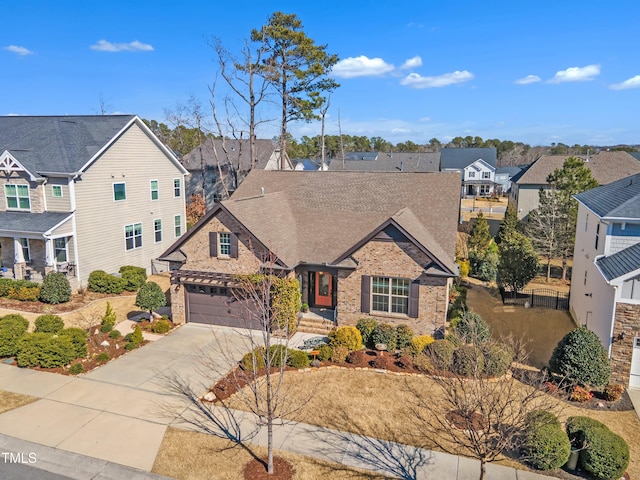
[(18, 255), (48, 250)]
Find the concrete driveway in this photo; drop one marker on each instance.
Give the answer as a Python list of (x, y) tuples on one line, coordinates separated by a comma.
[(111, 412)]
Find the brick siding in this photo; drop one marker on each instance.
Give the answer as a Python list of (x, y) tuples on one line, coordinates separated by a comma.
[(628, 321), (391, 259)]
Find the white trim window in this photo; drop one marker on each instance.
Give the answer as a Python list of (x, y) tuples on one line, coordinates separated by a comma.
[(17, 197), (177, 187), (486, 175), (133, 236), (177, 223), (157, 230), (155, 194), (224, 244), (390, 295), (472, 174), (60, 250), (56, 191), (26, 250), (119, 191)]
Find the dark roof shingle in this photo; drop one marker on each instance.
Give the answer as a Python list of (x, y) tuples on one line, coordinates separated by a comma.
[(459, 158), (606, 167), (619, 199), (58, 144)]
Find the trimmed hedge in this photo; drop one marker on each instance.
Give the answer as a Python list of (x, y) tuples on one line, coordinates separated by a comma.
[(404, 336), (161, 326), (440, 353), (134, 277), (471, 328), (467, 360), (420, 342), (23, 290), (346, 336), (12, 328), (606, 456), (497, 360), (49, 324), (45, 350), (547, 447), (253, 360), (78, 338), (298, 359), (101, 282), (580, 357), (55, 288), (386, 334), (366, 327)]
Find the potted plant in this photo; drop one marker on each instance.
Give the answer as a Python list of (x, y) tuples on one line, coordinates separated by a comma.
[(304, 308)]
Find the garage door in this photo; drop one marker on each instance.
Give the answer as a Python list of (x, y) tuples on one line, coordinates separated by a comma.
[(214, 306)]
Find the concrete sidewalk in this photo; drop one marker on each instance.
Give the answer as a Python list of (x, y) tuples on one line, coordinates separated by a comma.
[(119, 413), (67, 465)]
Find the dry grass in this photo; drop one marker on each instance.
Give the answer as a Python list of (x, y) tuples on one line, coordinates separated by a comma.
[(208, 457), (373, 404), (10, 400)]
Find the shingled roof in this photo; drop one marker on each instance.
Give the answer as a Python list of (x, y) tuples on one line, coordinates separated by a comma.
[(319, 217), (388, 162), (211, 152), (606, 167), (459, 158), (619, 199), (333, 211), (58, 144)]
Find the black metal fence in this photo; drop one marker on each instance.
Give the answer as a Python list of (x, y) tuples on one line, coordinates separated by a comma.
[(539, 297)]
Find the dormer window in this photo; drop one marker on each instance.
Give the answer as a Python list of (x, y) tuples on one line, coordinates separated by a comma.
[(17, 197)]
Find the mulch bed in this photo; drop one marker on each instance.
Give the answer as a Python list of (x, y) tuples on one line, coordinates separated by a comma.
[(237, 378), (78, 300), (115, 349), (256, 469)]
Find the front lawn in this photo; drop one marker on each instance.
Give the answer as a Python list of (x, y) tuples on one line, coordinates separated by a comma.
[(375, 404), (196, 456)]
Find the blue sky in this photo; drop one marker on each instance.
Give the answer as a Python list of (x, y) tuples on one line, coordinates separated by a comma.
[(537, 72)]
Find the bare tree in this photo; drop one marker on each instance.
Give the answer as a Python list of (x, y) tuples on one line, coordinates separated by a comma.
[(242, 76), (262, 399), (476, 414), (323, 113)]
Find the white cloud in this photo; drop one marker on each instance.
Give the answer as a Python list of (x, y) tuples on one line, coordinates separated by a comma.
[(424, 119), (361, 66), (416, 80), (18, 50), (412, 62), (633, 82), (528, 79), (576, 74), (135, 46)]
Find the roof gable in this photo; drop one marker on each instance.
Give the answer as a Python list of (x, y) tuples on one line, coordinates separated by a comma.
[(606, 167), (459, 158), (619, 199)]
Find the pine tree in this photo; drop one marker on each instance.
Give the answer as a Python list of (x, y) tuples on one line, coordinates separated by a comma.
[(509, 224), (480, 237)]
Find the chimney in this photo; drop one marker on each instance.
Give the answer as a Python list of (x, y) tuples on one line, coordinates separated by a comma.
[(587, 160)]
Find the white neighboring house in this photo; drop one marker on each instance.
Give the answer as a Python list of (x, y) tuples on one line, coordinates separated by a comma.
[(476, 165), (83, 193), (605, 287)]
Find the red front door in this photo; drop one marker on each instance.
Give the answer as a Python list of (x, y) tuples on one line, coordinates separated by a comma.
[(324, 289)]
